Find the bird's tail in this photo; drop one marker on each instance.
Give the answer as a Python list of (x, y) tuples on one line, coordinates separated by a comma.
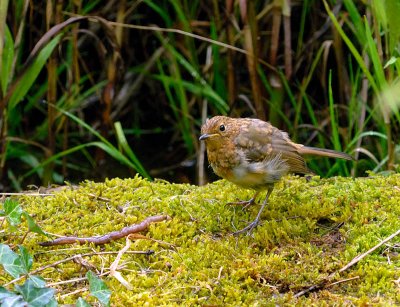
[(305, 150)]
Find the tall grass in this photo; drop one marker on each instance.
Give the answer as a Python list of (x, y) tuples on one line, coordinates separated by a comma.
[(127, 86)]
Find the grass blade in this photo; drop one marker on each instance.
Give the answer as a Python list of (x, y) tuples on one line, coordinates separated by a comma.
[(30, 75), (7, 60), (125, 146)]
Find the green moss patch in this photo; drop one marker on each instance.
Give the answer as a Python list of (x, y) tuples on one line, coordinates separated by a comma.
[(196, 260)]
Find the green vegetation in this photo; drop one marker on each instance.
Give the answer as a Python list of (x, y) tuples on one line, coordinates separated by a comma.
[(311, 229), (34, 291), (96, 90), (102, 89), (12, 214)]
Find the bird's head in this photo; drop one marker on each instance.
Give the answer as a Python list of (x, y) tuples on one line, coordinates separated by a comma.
[(215, 130)]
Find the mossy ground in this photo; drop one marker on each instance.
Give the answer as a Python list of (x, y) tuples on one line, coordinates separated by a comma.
[(296, 246)]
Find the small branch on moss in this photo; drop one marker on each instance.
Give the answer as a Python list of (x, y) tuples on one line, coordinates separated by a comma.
[(26, 193), (115, 235), (288, 218), (323, 284), (74, 292), (99, 197), (359, 257), (313, 288), (74, 280), (114, 266), (220, 273), (342, 281)]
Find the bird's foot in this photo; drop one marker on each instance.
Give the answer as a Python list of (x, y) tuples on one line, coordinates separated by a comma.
[(244, 203), (249, 228)]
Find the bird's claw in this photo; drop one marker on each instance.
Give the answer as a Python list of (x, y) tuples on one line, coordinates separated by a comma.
[(244, 203), (249, 228)]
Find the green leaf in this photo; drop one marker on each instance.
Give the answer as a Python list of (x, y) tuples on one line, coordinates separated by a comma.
[(357, 21), (373, 52), (104, 144), (98, 288), (352, 48), (10, 299), (11, 261), (391, 61), (38, 281), (30, 75), (13, 212), (392, 9), (201, 84), (52, 303), (197, 89), (35, 296), (26, 259), (161, 11), (32, 225), (5, 293), (125, 146), (8, 56), (82, 303)]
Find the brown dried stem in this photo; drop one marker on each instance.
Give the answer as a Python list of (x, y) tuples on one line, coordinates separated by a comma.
[(107, 238), (323, 284)]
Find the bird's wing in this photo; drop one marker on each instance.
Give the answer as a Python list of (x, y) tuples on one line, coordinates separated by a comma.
[(289, 152), (259, 141)]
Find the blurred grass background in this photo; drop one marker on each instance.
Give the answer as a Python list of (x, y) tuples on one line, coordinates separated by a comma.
[(96, 89)]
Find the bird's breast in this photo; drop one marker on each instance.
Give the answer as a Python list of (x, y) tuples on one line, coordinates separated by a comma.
[(255, 175), (223, 161)]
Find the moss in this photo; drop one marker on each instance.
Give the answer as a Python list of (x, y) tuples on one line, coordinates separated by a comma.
[(296, 246)]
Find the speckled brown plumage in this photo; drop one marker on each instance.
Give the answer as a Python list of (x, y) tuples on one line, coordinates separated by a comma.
[(254, 154)]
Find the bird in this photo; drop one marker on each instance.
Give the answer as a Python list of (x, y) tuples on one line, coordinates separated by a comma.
[(254, 154)]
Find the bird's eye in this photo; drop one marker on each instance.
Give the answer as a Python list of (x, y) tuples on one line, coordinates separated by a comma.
[(222, 128)]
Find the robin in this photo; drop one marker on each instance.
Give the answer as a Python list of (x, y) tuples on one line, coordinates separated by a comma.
[(254, 154)]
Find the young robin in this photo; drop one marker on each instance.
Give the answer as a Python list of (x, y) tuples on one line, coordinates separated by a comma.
[(254, 154)]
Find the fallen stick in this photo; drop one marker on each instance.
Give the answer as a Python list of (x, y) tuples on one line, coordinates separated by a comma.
[(115, 235), (355, 260), (359, 257)]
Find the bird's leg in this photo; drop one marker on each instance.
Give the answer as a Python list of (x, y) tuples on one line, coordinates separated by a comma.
[(245, 203), (254, 223)]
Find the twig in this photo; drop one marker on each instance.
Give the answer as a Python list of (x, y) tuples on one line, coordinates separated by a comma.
[(63, 282), (149, 252), (99, 197), (342, 281), (313, 288), (324, 283), (288, 218), (220, 273), (114, 266), (115, 235), (359, 257), (26, 193), (73, 292), (170, 30)]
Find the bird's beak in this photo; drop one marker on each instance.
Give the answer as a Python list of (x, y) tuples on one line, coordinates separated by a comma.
[(206, 136)]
